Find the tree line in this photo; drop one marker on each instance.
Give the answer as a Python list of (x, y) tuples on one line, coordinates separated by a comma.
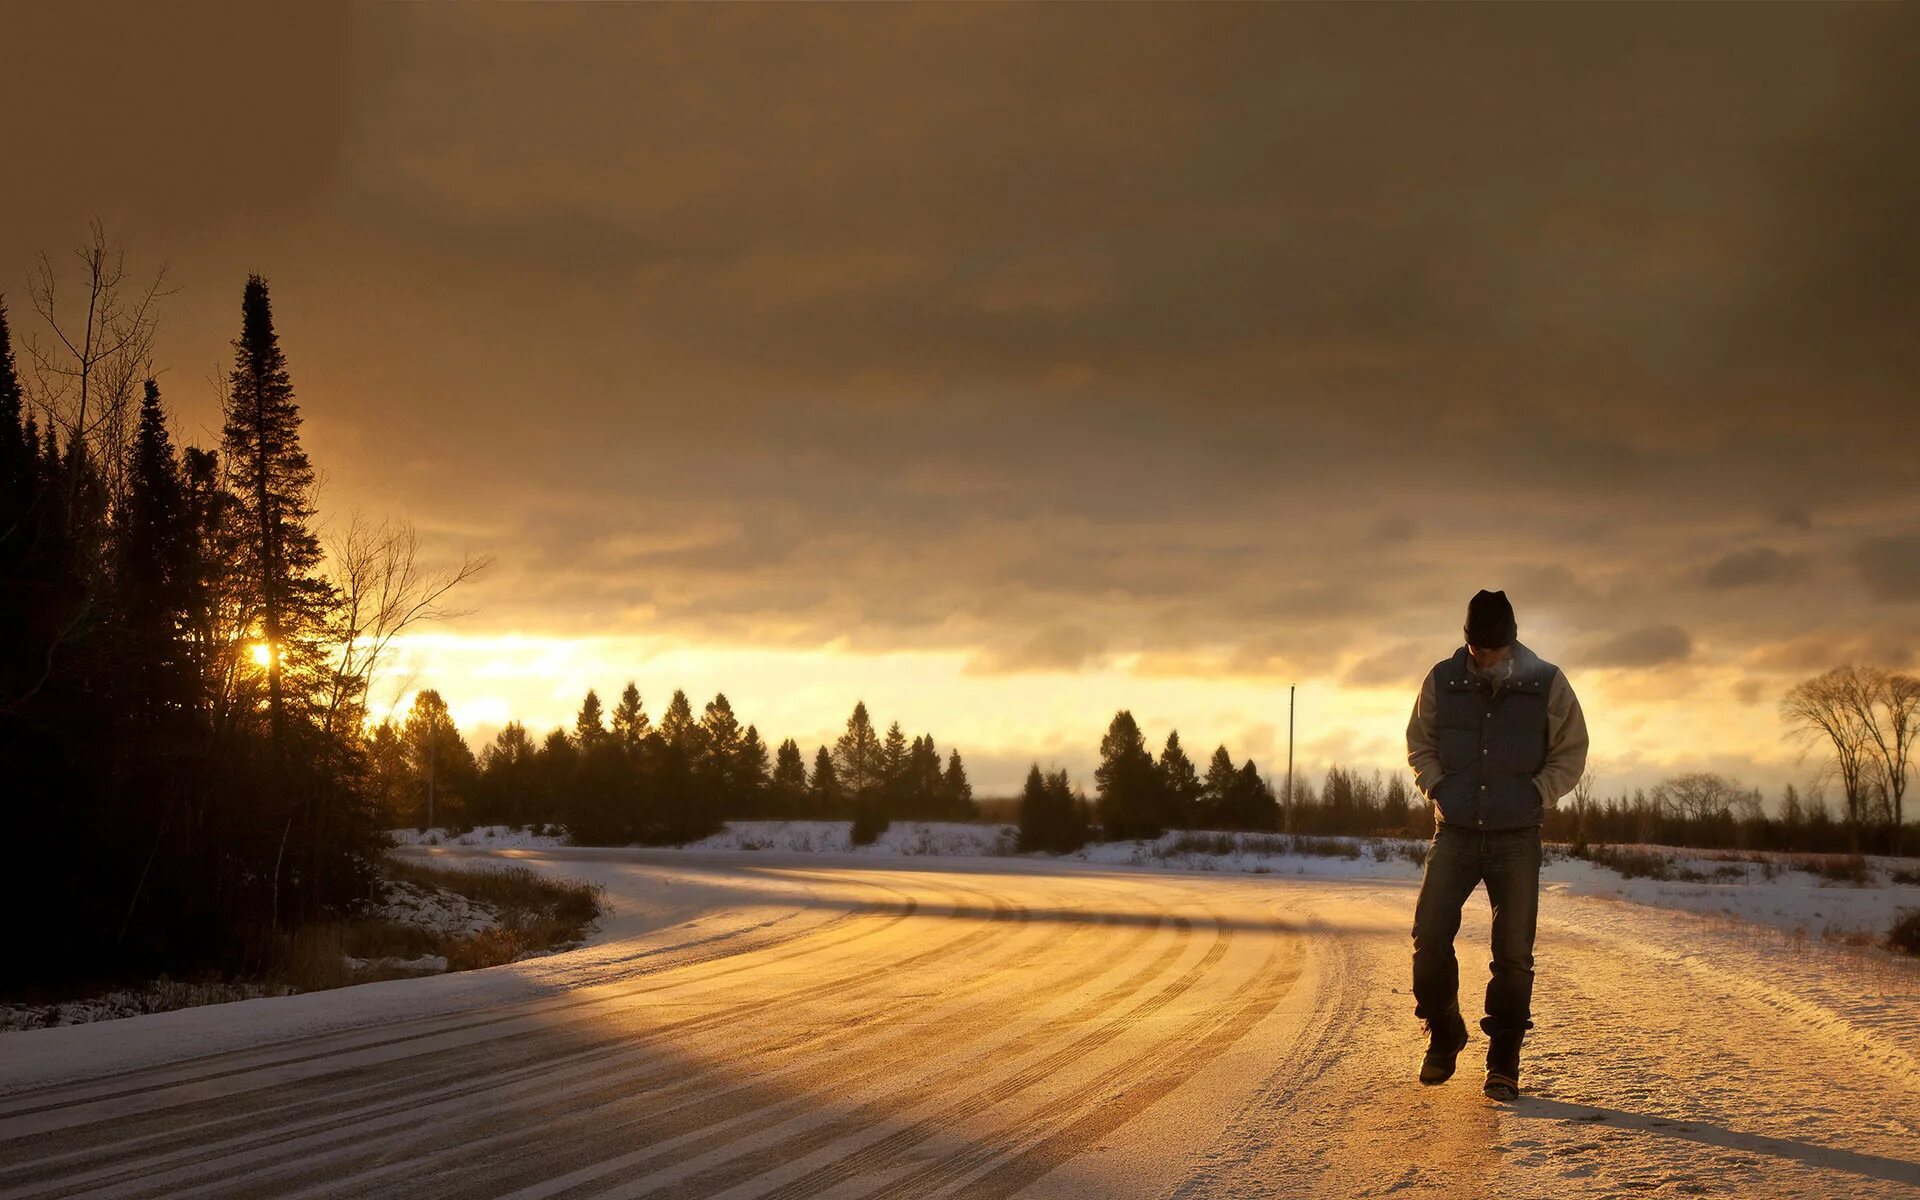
[(1864, 717), (617, 777), (184, 673)]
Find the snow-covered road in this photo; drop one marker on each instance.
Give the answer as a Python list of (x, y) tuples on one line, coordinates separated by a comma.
[(759, 1025)]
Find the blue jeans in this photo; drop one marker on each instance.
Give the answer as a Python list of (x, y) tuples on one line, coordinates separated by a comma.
[(1509, 861)]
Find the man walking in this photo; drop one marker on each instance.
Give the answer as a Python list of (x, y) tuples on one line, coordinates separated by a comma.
[(1496, 739)]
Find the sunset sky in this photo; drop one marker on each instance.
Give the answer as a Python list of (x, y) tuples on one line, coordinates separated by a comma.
[(1005, 366)]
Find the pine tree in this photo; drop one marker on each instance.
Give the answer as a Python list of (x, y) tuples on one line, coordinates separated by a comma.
[(922, 793), (721, 741), (1051, 817), (750, 774), (788, 788), (677, 726), (955, 792), (630, 723), (1250, 804), (1128, 784), (286, 601), (559, 763), (389, 778), (1180, 786), (507, 789), (154, 578), (823, 789), (894, 763), (589, 725), (1217, 793), (19, 481), (440, 760), (857, 754), (18, 451), (682, 811)]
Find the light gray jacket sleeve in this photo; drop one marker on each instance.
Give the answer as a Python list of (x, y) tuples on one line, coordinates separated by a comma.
[(1566, 742), (1423, 750)]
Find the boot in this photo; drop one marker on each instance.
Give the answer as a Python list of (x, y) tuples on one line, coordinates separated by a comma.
[(1503, 1065), (1445, 1039)]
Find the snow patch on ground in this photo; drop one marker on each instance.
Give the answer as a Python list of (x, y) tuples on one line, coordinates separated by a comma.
[(901, 839), (445, 913), (1792, 900), (425, 964), (157, 996), (497, 837), (1772, 889)]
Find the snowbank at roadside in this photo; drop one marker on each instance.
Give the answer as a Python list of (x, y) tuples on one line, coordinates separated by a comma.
[(1782, 890), (499, 837)]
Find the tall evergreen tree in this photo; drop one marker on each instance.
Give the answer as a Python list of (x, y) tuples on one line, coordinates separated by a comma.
[(1180, 786), (824, 793), (787, 790), (677, 727), (720, 743), (1217, 793), (630, 723), (155, 578), (956, 793), (18, 451), (286, 601), (441, 762), (19, 481), (1051, 817), (857, 754), (894, 763), (589, 724), (1129, 787), (750, 774), (507, 789), (1250, 804)]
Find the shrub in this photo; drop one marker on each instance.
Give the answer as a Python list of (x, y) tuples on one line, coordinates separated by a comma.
[(1904, 937), (1323, 847), (1909, 878), (868, 822), (1839, 868), (1643, 864)]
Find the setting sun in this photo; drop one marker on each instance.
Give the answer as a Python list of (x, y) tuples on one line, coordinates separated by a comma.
[(262, 654)]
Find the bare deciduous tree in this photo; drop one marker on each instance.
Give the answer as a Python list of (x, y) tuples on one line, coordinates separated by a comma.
[(383, 590), (87, 372), (1699, 796), (1887, 708), (1821, 712)]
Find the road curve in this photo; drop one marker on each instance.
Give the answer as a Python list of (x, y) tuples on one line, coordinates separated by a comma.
[(801, 1026)]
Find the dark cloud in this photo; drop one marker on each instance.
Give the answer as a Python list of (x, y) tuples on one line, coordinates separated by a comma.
[(1060, 648), (1392, 528), (1652, 646), (1754, 566), (1890, 566), (1403, 664), (1244, 339)]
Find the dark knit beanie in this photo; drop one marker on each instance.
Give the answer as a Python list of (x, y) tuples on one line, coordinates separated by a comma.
[(1490, 620)]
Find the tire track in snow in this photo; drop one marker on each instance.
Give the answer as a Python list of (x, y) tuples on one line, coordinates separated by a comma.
[(714, 1180), (707, 1133), (445, 1024), (659, 1034), (707, 1129), (1079, 1118)]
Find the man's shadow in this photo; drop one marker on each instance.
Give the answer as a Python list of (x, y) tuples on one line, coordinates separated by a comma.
[(1871, 1166)]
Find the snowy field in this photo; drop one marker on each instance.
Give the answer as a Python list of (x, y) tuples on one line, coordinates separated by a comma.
[(768, 1023), (1787, 898)]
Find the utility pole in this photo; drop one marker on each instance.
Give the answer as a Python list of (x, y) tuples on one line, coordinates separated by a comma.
[(1289, 758)]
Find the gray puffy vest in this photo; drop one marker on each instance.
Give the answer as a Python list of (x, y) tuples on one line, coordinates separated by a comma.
[(1491, 743)]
